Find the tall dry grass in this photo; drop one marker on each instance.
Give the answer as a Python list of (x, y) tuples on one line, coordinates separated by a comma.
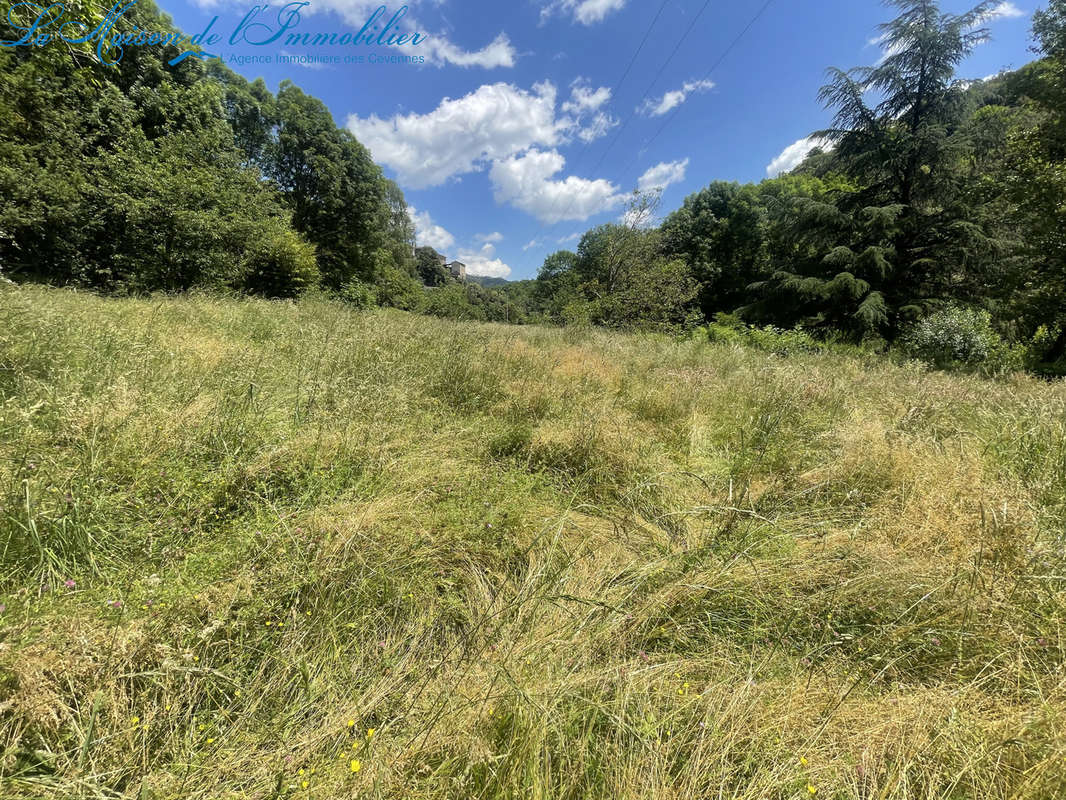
[(236, 536)]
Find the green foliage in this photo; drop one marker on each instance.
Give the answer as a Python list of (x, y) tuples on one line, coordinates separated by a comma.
[(429, 265), (468, 301), (960, 337), (143, 176), (278, 263)]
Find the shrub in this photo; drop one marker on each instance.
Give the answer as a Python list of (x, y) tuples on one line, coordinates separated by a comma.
[(278, 263), (358, 294), (957, 337), (730, 329)]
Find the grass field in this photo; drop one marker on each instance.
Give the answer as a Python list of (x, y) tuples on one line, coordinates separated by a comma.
[(256, 550)]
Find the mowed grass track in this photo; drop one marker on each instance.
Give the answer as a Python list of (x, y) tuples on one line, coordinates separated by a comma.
[(238, 536)]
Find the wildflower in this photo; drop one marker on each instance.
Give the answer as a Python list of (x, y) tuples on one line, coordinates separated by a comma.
[(351, 723), (116, 604), (69, 583), (3, 608), (811, 790), (303, 784), (166, 707), (269, 623), (370, 733), (803, 761), (356, 765), (300, 771), (308, 613), (135, 721), (210, 739)]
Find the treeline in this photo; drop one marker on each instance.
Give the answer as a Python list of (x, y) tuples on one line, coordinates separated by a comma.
[(934, 214), (144, 176)]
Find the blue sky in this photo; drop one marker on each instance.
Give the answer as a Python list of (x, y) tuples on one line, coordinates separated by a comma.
[(522, 129)]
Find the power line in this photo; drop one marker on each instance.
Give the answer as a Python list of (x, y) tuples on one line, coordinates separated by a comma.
[(706, 75), (614, 91), (644, 97)]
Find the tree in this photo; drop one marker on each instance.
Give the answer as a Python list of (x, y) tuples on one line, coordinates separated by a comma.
[(719, 232), (906, 239), (429, 266), (1038, 185)]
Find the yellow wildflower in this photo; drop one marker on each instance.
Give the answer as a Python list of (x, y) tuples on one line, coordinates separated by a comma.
[(811, 790), (803, 760), (370, 733), (356, 765), (351, 723)]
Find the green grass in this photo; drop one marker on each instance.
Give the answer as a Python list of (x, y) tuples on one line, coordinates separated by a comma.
[(538, 563)]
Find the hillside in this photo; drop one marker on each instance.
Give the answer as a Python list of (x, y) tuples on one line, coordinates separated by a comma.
[(257, 549)]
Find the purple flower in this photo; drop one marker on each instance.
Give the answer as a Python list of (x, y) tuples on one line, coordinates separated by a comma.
[(69, 583), (115, 604)]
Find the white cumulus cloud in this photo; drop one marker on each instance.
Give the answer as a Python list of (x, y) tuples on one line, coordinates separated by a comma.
[(527, 182), (587, 12), (671, 100), (1005, 10), (587, 119), (662, 175), (461, 135), (793, 155), (484, 262), (428, 233), (498, 53)]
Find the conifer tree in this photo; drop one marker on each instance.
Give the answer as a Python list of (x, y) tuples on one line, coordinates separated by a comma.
[(884, 251)]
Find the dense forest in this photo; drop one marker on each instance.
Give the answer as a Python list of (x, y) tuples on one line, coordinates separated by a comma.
[(933, 218)]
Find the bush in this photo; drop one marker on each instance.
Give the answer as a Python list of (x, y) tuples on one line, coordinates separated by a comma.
[(957, 337), (397, 289), (360, 295), (730, 329), (278, 263)]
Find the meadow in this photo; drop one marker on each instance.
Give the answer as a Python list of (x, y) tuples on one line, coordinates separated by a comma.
[(256, 549)]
